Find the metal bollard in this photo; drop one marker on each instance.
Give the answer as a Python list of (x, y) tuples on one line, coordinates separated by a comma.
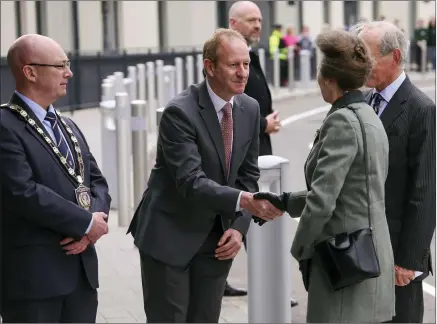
[(118, 82), (159, 113), (160, 82), (169, 83), (139, 148), (129, 87), (190, 70), (276, 71), (179, 66), (132, 75), (424, 56), (124, 153), (269, 289), (151, 99), (107, 93), (199, 66), (291, 83), (262, 59), (305, 68), (141, 81)]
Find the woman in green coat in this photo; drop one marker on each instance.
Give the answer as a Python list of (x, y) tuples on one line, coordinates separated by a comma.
[(336, 200)]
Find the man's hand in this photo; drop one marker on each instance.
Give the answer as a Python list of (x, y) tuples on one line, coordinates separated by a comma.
[(229, 245), (99, 227), (279, 202), (75, 247), (273, 123), (261, 208), (403, 276)]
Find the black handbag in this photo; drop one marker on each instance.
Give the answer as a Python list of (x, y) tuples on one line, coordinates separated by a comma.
[(350, 258)]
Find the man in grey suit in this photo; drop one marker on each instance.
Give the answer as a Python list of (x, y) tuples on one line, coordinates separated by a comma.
[(199, 202), (408, 116)]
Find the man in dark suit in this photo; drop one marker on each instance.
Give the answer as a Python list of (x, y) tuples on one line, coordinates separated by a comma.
[(199, 202), (54, 197), (245, 17), (408, 116)]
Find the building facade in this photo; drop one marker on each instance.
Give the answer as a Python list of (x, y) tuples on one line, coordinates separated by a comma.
[(139, 26)]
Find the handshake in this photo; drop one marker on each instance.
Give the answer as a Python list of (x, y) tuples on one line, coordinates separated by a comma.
[(264, 206)]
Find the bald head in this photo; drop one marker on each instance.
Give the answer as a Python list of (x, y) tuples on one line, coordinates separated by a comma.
[(246, 18), (31, 48)]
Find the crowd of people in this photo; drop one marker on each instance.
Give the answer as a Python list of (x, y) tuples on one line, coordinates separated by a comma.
[(365, 230)]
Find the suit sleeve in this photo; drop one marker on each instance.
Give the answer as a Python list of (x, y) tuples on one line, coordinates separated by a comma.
[(33, 201), (418, 223), (262, 125), (337, 152), (101, 200), (177, 139), (247, 177)]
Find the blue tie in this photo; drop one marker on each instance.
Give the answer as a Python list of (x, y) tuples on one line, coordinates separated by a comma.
[(60, 140), (377, 98)]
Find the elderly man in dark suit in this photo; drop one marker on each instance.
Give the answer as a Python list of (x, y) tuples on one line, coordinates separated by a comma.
[(55, 199), (199, 202), (408, 116)]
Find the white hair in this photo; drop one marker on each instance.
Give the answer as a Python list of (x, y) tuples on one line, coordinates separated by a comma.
[(391, 38)]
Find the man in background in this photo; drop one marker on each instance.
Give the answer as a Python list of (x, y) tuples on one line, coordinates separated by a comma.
[(245, 17)]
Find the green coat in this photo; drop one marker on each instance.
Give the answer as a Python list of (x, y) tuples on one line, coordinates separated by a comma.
[(336, 201)]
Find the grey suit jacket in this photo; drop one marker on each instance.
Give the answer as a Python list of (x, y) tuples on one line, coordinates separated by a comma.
[(188, 188), (337, 202)]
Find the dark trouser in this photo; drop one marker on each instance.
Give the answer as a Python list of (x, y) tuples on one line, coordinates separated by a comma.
[(409, 303), (78, 307), (193, 294)]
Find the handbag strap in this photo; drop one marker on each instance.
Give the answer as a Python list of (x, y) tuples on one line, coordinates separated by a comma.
[(366, 168)]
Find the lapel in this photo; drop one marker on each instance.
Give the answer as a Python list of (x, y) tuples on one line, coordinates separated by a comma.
[(396, 105), (15, 99), (209, 116), (238, 134)]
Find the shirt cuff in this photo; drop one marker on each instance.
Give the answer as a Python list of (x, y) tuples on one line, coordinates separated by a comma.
[(238, 208), (89, 226)]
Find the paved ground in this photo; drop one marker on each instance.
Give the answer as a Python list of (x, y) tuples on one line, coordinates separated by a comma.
[(120, 293)]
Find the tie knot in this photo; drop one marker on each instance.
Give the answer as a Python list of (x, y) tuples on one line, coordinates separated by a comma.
[(377, 98), (51, 117), (227, 108)]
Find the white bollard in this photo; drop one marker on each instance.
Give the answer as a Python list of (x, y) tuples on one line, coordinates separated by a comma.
[(199, 66), (190, 70), (179, 65)]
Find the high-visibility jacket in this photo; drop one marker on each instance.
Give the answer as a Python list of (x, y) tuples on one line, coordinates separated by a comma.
[(274, 40)]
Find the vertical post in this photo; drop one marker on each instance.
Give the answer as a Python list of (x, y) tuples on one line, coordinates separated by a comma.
[(118, 82), (169, 83), (179, 65), (141, 81), (190, 70), (124, 152), (151, 99), (160, 81), (276, 71), (139, 148), (291, 84), (305, 68), (269, 289), (129, 87), (424, 56), (132, 74), (262, 59), (199, 65)]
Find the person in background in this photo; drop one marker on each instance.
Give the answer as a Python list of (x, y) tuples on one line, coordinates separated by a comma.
[(430, 42), (277, 43), (245, 17), (420, 35), (409, 117)]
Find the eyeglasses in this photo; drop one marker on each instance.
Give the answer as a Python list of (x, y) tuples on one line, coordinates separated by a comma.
[(62, 66)]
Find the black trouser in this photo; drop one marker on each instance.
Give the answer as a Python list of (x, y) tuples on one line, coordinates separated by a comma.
[(191, 294), (78, 307), (409, 303)]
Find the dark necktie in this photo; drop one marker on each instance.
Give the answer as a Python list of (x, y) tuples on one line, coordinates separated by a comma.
[(377, 99), (227, 128), (60, 141)]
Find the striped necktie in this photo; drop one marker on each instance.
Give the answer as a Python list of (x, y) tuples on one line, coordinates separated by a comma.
[(227, 128), (60, 140)]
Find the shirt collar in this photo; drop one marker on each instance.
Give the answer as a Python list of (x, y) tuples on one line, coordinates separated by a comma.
[(39, 111), (218, 102), (391, 89)]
